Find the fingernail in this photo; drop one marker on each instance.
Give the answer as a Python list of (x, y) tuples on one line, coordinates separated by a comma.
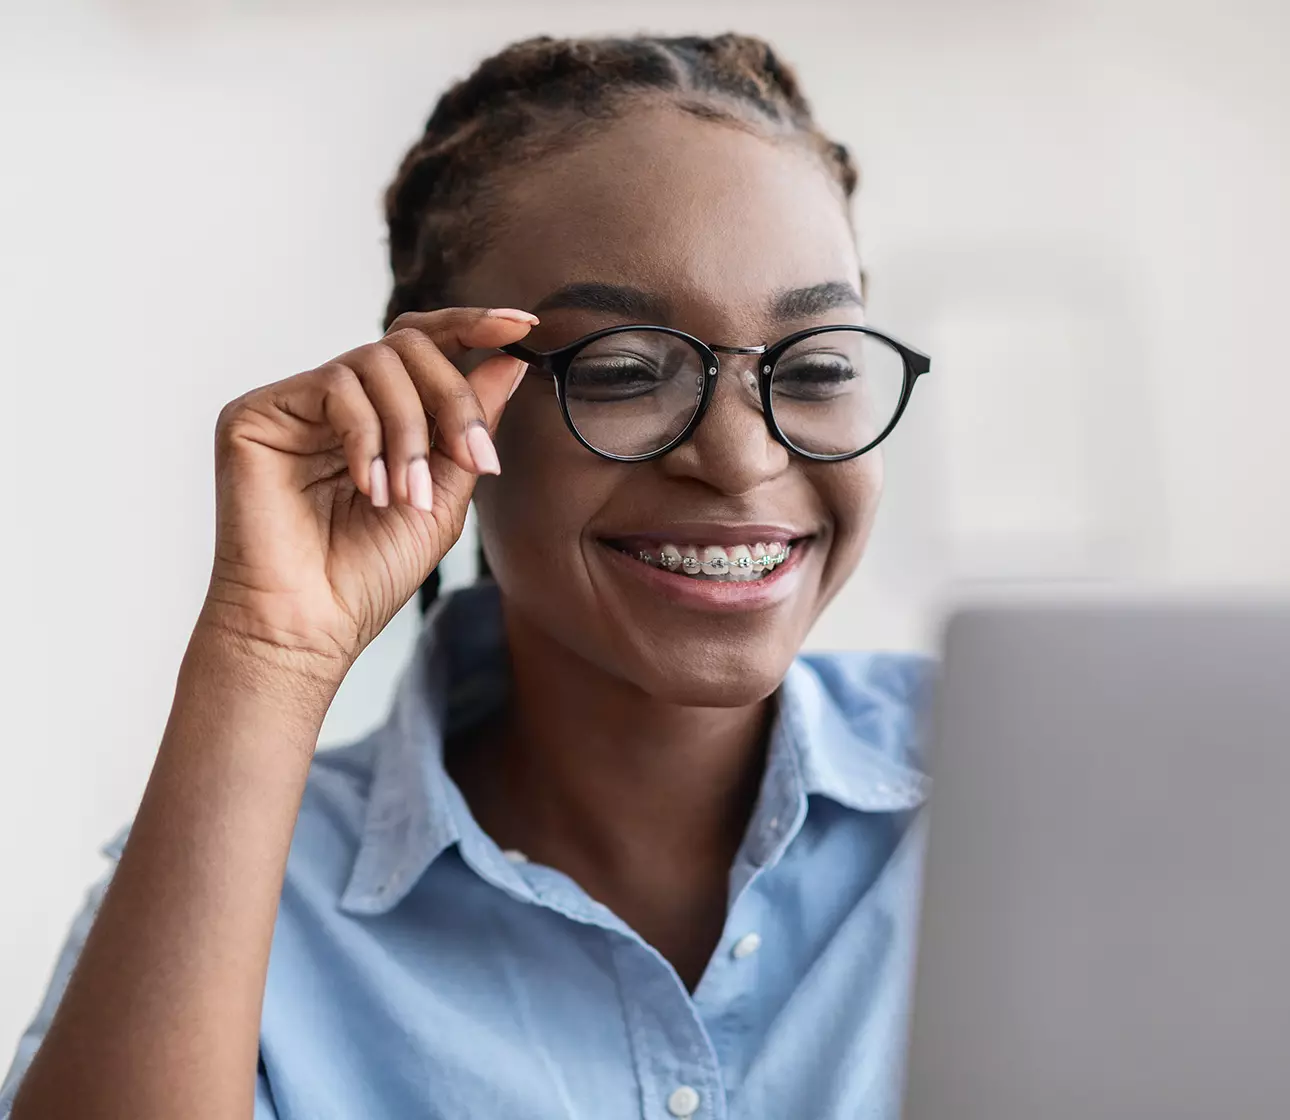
[(379, 483), (482, 449), (513, 314), (524, 368), (420, 490)]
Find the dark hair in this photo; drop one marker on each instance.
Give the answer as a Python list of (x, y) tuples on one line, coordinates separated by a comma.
[(541, 95)]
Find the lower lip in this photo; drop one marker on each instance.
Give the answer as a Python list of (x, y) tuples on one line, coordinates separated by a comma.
[(716, 595)]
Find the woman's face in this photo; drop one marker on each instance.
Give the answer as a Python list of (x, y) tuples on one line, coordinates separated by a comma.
[(709, 229)]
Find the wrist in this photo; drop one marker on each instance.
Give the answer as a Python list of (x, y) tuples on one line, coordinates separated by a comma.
[(226, 660)]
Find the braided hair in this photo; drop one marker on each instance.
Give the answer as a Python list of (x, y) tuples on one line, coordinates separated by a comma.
[(542, 95)]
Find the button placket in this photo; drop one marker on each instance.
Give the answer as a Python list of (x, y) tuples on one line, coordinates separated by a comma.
[(676, 1062)]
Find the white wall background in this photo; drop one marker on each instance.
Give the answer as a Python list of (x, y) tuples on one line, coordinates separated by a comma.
[(1078, 208)]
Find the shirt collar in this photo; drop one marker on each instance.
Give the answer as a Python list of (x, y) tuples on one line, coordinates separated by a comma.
[(853, 720), (843, 731), (415, 811)]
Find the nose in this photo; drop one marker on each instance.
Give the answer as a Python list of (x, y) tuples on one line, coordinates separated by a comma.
[(732, 449)]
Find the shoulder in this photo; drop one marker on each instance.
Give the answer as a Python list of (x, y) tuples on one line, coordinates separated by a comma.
[(881, 695)]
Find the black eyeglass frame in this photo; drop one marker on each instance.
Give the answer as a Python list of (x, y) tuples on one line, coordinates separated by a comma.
[(557, 362)]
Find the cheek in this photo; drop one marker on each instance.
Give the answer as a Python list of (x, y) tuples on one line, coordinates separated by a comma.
[(852, 492), (533, 514)]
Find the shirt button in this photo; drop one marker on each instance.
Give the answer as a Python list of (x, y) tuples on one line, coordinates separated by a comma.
[(683, 1102), (515, 855), (746, 946)]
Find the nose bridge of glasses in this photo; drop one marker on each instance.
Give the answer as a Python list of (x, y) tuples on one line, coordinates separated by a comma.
[(743, 371), (737, 349), (740, 371)]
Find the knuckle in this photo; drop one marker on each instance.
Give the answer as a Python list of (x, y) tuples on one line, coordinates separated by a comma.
[(403, 322), (408, 434), (229, 413), (361, 421), (232, 417), (335, 377), (418, 353), (406, 337), (360, 438), (461, 398), (384, 356)]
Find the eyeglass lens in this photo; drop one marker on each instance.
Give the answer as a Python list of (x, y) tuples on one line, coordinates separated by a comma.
[(634, 392), (836, 392)]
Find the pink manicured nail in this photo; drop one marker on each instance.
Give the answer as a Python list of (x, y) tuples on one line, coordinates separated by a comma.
[(482, 450), (514, 314), (378, 483), (518, 378), (420, 490)]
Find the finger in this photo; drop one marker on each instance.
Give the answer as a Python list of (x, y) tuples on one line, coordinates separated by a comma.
[(355, 421), (460, 423), (495, 380), (405, 434), (455, 330)]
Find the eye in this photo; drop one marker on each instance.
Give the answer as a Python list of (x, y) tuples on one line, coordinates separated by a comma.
[(817, 375), (622, 368), (612, 377)]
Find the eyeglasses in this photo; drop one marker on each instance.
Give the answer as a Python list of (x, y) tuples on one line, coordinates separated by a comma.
[(633, 393)]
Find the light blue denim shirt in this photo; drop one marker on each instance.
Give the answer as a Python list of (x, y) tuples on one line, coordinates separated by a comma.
[(419, 971)]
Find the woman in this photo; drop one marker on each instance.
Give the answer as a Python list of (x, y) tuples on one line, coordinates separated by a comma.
[(619, 851)]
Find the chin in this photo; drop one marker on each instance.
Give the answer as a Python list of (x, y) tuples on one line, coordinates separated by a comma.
[(730, 690)]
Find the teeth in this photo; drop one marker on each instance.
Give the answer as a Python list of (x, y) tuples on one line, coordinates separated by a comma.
[(739, 562), (715, 561)]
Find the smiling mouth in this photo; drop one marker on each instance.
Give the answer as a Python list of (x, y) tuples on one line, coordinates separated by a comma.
[(740, 563)]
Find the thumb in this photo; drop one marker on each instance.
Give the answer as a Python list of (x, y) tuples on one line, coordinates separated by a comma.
[(494, 380)]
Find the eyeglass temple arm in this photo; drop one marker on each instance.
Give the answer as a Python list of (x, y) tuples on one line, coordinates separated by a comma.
[(525, 354), (919, 363)]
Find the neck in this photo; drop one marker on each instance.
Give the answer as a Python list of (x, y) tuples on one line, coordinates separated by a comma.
[(617, 788)]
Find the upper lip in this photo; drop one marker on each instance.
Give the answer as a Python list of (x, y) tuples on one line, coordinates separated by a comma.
[(711, 532)]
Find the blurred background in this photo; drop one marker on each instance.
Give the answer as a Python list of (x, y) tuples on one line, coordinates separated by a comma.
[(1079, 208)]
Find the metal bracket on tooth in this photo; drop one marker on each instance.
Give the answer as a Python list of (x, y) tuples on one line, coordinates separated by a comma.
[(692, 565)]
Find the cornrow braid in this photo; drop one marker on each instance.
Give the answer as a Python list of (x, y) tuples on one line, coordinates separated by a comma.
[(541, 94)]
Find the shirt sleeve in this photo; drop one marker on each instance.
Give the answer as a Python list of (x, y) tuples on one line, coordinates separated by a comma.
[(67, 958)]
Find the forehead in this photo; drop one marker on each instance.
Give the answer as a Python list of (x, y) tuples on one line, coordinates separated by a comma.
[(714, 218)]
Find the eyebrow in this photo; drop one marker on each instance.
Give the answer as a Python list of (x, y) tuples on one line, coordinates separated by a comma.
[(612, 299), (649, 307), (803, 303)]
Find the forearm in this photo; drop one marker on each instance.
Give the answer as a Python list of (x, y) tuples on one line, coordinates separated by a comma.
[(161, 1016)]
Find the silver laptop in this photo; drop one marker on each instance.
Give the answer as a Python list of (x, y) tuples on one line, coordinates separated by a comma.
[(1105, 929)]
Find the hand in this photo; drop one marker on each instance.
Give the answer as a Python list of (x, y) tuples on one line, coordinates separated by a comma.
[(332, 504)]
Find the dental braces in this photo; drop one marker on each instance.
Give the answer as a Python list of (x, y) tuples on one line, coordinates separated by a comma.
[(718, 565)]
